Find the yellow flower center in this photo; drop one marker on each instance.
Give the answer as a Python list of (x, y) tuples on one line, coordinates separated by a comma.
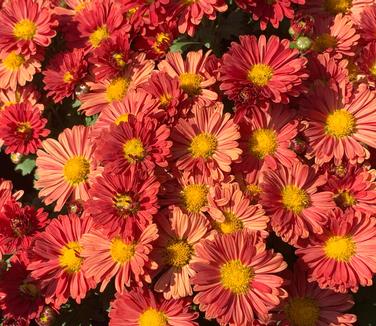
[(125, 204), (260, 74), (263, 142), (152, 317), (178, 253), (68, 77), (340, 123), (161, 40), (98, 36), (203, 145), (132, 11), (76, 170), (165, 100), (122, 252), (337, 6), (133, 150), (79, 7), (29, 289), (117, 89), (24, 127), (372, 70), (122, 118), (324, 42), (340, 248), (118, 57), (25, 30), (254, 192), (190, 83), (231, 224), (302, 312), (195, 197), (294, 199), (69, 258), (344, 199), (6, 104), (236, 277), (13, 61)]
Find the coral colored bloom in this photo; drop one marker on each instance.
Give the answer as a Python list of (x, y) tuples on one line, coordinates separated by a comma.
[(26, 25), (63, 73), (344, 257), (22, 128), (367, 24), (175, 251), (235, 278), (140, 307), (125, 258), (207, 142), (21, 94), (123, 201), (297, 209), (56, 260), (307, 304), (6, 189), (64, 167), (259, 70), (338, 127)]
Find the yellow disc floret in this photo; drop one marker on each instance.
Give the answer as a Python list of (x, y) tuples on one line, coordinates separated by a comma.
[(117, 89), (24, 30), (98, 36), (340, 248), (337, 6), (302, 312), (122, 252), (152, 317), (263, 142), (190, 83), (76, 170), (340, 123), (178, 253), (260, 74), (133, 150), (69, 258), (203, 145), (231, 223), (236, 277), (194, 197), (294, 199), (13, 61)]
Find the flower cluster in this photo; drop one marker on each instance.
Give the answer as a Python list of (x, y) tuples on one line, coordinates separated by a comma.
[(231, 180)]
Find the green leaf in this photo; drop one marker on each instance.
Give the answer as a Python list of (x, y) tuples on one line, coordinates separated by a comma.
[(180, 46), (91, 120), (26, 166)]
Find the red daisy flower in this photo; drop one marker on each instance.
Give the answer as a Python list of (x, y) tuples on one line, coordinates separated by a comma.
[(140, 307), (56, 260), (295, 206), (22, 128), (367, 24), (135, 144), (235, 278), (343, 257), (63, 73), (261, 70), (24, 30)]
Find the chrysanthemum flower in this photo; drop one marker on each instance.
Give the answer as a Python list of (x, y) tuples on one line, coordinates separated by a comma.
[(123, 201), (125, 258), (344, 257), (231, 211), (258, 70), (64, 167), (338, 40), (296, 207), (194, 79), (207, 142), (63, 73), (21, 94), (266, 138), (250, 184), (175, 251), (235, 278), (307, 304), (367, 24), (135, 144), (19, 294), (338, 127), (24, 30), (56, 260), (18, 225), (140, 307), (17, 69), (22, 128)]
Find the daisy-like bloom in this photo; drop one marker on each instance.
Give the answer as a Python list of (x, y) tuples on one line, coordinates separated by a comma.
[(307, 304), (64, 167), (17, 69), (22, 128), (63, 73), (137, 144), (231, 211), (207, 142), (21, 94), (343, 258), (235, 278), (25, 30), (338, 127), (266, 138), (367, 24), (19, 294), (193, 78), (367, 61), (338, 40), (110, 91), (258, 70), (295, 206), (250, 184), (56, 260), (18, 225), (123, 201), (140, 307), (123, 257), (175, 251), (6, 194)]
